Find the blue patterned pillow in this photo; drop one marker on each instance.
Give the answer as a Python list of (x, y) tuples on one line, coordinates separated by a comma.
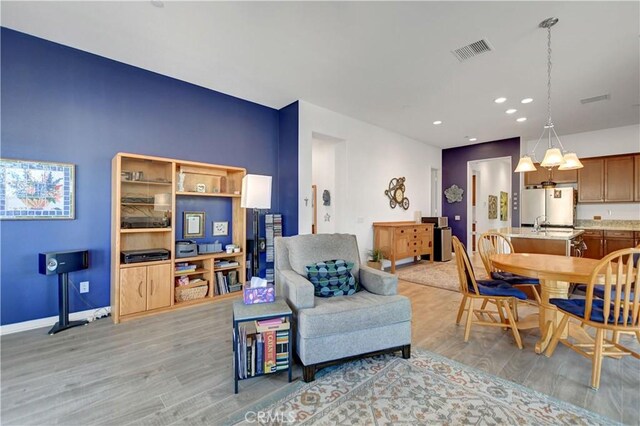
[(332, 278)]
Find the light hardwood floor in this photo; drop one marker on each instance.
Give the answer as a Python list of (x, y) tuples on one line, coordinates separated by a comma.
[(176, 368)]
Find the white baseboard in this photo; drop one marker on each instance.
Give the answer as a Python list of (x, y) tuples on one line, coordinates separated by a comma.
[(49, 321)]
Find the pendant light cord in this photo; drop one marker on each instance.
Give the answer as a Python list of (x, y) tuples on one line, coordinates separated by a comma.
[(549, 122)]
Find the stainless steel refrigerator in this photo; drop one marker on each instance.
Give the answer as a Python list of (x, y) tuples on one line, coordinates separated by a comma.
[(554, 206)]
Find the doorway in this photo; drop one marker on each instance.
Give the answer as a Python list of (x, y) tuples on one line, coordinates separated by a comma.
[(328, 183), (488, 180)]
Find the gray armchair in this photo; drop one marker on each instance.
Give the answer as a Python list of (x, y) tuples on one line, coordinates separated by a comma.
[(335, 328)]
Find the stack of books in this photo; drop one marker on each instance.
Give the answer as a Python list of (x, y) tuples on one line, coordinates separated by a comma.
[(224, 264), (262, 347), (227, 283), (183, 267)]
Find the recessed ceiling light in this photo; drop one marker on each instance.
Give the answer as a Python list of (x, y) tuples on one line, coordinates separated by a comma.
[(473, 139), (437, 122), (526, 101), (499, 100), (511, 111), (521, 119)]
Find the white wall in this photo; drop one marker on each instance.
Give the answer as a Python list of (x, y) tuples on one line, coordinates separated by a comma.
[(372, 156), (494, 177), (324, 177), (616, 140)]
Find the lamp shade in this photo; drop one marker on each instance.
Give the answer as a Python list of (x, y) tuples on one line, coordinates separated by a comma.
[(571, 162), (525, 165), (256, 192), (552, 158)]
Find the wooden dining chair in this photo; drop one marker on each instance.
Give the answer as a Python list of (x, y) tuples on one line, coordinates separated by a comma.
[(491, 243), (499, 293), (617, 311)]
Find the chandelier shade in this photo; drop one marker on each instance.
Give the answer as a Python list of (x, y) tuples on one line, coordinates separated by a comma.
[(525, 165), (571, 162), (552, 158)]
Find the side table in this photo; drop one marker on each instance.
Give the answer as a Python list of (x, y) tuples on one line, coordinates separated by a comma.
[(260, 311)]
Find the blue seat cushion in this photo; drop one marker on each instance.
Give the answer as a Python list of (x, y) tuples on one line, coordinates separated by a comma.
[(598, 291), (577, 307), (497, 288), (513, 278)]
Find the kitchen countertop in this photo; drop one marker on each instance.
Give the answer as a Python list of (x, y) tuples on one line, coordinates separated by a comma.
[(612, 225), (550, 234)]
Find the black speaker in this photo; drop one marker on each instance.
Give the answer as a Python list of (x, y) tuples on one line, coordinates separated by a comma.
[(60, 262)]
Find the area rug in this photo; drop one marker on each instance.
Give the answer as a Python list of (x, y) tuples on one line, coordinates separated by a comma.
[(439, 274), (426, 389)]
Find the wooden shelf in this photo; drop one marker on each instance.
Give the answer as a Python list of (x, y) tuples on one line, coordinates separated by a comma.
[(136, 264), (143, 230), (162, 176), (207, 256), (197, 271), (226, 268), (208, 194), (147, 182)]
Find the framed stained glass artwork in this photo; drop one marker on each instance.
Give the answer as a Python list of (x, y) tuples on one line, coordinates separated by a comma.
[(36, 190)]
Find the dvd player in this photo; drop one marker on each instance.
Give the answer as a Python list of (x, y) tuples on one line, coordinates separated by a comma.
[(149, 255)]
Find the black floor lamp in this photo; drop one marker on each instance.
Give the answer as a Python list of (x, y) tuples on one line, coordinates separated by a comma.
[(256, 195)]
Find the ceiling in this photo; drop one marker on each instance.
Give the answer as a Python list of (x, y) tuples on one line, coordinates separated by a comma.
[(386, 63)]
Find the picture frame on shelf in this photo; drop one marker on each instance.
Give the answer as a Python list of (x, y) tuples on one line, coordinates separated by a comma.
[(193, 225), (36, 190), (220, 228)]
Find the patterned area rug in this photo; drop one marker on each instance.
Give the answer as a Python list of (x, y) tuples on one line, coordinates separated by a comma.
[(439, 274), (426, 389)]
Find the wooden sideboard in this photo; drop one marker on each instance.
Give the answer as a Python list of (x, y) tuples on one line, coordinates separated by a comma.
[(399, 240)]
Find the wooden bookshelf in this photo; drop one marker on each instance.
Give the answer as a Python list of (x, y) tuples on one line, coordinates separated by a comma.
[(146, 188)]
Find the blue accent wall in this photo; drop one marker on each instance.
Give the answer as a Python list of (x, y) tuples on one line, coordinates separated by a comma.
[(288, 168), (454, 171), (66, 105)]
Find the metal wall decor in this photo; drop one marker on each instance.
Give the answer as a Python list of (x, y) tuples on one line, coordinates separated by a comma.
[(396, 193), (493, 207), (326, 198), (454, 194)]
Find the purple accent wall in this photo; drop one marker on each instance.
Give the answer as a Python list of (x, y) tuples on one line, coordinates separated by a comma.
[(454, 171), (64, 105)]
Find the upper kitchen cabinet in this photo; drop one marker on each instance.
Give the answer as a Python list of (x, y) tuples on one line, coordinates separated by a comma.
[(608, 180), (618, 179), (591, 181), (636, 184), (557, 176)]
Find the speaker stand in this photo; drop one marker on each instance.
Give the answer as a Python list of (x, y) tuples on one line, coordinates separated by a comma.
[(63, 307)]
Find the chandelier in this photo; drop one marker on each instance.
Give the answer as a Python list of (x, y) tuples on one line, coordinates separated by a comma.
[(553, 156)]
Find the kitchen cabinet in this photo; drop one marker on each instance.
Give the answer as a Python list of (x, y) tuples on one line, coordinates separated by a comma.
[(557, 176), (618, 179), (591, 181), (143, 288), (609, 179), (636, 180), (617, 240), (594, 239)]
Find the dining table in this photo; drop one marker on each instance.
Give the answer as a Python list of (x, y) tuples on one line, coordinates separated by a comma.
[(555, 273)]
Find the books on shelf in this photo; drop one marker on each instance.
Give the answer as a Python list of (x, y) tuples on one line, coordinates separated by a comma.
[(185, 267), (227, 283), (261, 352), (225, 263)]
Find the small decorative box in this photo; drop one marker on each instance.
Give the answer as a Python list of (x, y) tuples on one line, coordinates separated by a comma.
[(259, 294)]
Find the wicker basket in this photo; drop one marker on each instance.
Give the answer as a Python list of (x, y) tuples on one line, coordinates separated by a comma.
[(191, 293)]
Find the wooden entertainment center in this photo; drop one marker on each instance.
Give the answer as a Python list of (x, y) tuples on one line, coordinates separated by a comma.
[(144, 193)]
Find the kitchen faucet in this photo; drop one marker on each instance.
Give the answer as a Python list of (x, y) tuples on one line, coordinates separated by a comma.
[(537, 223)]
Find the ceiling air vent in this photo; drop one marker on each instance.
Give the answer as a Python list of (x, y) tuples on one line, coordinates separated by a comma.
[(595, 99), (473, 49)]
